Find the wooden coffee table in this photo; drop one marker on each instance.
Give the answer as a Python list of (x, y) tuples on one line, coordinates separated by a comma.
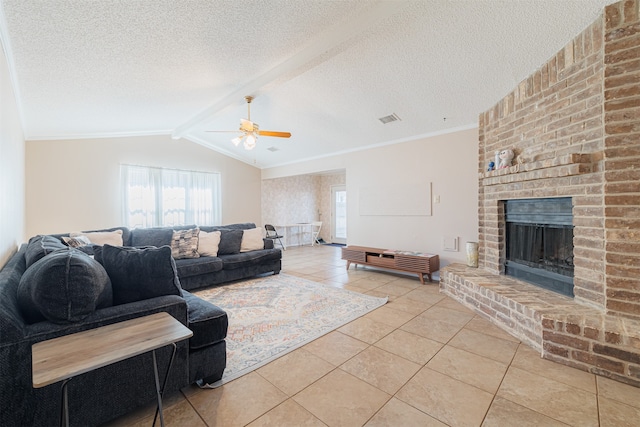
[(62, 358)]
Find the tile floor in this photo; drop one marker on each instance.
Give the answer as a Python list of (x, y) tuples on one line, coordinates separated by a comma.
[(420, 360)]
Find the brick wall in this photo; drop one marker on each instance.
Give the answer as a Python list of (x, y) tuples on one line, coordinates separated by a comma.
[(574, 127), (622, 158)]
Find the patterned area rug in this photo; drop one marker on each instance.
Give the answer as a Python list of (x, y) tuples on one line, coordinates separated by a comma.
[(271, 316)]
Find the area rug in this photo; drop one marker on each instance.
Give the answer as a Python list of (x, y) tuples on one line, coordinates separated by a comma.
[(271, 316)]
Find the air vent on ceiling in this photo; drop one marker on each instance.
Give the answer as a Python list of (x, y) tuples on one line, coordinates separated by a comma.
[(273, 149), (390, 118)]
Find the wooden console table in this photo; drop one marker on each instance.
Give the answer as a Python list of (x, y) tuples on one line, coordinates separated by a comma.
[(62, 358), (413, 262)]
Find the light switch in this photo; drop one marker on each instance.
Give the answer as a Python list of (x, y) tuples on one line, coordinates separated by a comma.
[(450, 244)]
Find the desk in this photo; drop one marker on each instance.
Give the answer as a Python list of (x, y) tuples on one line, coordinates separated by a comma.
[(300, 228), (62, 358)]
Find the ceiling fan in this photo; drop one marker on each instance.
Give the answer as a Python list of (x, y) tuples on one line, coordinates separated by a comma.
[(249, 131)]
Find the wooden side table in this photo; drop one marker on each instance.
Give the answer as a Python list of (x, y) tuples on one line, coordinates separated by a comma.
[(62, 358)]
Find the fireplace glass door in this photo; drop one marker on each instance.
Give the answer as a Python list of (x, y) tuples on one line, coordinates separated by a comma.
[(539, 236)]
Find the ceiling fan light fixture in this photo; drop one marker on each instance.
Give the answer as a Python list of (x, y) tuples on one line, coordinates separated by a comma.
[(236, 141), (250, 142)]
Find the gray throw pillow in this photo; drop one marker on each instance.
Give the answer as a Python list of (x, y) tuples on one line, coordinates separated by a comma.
[(63, 287), (138, 274), (230, 242), (41, 245)]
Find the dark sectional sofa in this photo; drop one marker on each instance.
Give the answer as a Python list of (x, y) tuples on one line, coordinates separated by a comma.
[(142, 278)]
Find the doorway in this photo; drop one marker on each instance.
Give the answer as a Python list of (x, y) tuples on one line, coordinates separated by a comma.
[(339, 214)]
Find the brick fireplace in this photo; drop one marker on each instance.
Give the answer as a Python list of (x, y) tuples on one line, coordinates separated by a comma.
[(574, 126)]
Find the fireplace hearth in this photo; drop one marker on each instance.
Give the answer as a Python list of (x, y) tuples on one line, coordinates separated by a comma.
[(539, 242)]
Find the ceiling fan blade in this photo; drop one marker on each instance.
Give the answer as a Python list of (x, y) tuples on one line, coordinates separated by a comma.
[(274, 133), (224, 131)]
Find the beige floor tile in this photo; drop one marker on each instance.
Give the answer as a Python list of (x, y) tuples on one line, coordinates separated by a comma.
[(341, 278), (482, 325), (364, 283), (375, 293), (485, 345), (340, 399), (552, 398), (354, 289), (619, 391), (446, 399), (144, 414), (294, 371), (454, 305), (178, 415), (529, 360), (287, 414), (426, 295), (411, 306), (366, 330), (436, 330), (617, 414), (238, 402), (336, 347), (381, 369), (410, 346), (447, 315), (478, 371), (394, 289), (389, 316), (398, 413), (505, 413)]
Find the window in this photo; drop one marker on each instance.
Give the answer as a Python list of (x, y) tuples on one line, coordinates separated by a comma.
[(166, 197)]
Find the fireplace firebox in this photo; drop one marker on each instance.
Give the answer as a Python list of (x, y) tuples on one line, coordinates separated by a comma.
[(539, 242)]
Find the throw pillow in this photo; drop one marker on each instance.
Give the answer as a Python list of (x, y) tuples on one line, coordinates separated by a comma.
[(252, 240), (76, 242), (208, 243), (39, 246), (230, 242), (113, 238), (64, 287), (184, 244), (139, 274)]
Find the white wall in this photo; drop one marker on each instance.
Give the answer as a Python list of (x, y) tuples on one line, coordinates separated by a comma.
[(448, 161), (12, 199), (75, 184)]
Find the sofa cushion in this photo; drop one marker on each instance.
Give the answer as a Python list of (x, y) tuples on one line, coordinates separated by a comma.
[(39, 246), (208, 243), (252, 240), (247, 259), (230, 241), (190, 267), (155, 236), (209, 323), (184, 243), (63, 287), (137, 274)]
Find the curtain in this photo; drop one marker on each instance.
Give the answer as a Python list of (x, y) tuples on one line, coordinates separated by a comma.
[(168, 197)]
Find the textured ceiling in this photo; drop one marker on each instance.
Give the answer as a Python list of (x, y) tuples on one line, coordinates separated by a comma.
[(323, 70)]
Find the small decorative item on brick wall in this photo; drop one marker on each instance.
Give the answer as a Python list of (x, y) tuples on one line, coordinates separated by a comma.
[(472, 254), (506, 157)]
